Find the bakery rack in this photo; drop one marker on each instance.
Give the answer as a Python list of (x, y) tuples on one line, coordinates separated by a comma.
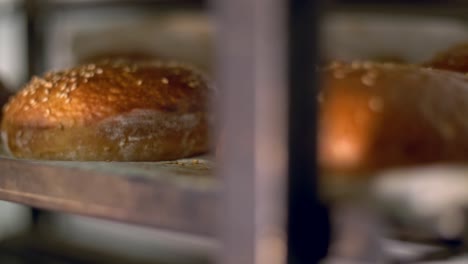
[(240, 203), (260, 201)]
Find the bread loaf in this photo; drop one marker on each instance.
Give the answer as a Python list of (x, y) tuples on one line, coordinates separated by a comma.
[(376, 116), (116, 110)]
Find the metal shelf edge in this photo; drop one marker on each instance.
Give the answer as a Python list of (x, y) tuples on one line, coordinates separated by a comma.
[(159, 201)]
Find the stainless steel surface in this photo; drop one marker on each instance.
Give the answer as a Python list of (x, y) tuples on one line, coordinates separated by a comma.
[(252, 80), (179, 196)]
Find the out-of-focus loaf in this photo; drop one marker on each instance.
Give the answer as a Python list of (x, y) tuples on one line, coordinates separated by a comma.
[(377, 116), (116, 110)]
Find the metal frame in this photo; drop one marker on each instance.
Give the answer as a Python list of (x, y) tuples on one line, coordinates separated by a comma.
[(308, 218), (254, 72), (252, 77), (255, 69)]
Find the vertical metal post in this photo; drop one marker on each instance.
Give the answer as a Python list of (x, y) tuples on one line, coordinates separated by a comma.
[(34, 63), (251, 77), (34, 37), (308, 223)]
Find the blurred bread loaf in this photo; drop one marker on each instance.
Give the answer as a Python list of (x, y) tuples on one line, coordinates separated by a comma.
[(375, 116)]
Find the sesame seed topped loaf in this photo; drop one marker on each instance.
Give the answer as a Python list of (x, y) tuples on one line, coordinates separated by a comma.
[(111, 110)]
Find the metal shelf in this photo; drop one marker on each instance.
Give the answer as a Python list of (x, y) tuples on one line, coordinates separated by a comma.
[(178, 195)]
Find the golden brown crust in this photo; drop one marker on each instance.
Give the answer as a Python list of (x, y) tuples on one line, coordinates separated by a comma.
[(93, 92), (97, 111), (148, 136), (377, 116)]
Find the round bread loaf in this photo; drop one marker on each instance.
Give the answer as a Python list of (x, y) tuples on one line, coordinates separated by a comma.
[(115, 111), (378, 116)]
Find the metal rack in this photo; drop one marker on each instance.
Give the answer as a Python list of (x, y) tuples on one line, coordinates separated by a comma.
[(179, 196), (244, 205), (260, 202)]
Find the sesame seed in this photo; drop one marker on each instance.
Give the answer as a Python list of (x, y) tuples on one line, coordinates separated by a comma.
[(114, 90), (368, 80), (165, 80), (111, 98)]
